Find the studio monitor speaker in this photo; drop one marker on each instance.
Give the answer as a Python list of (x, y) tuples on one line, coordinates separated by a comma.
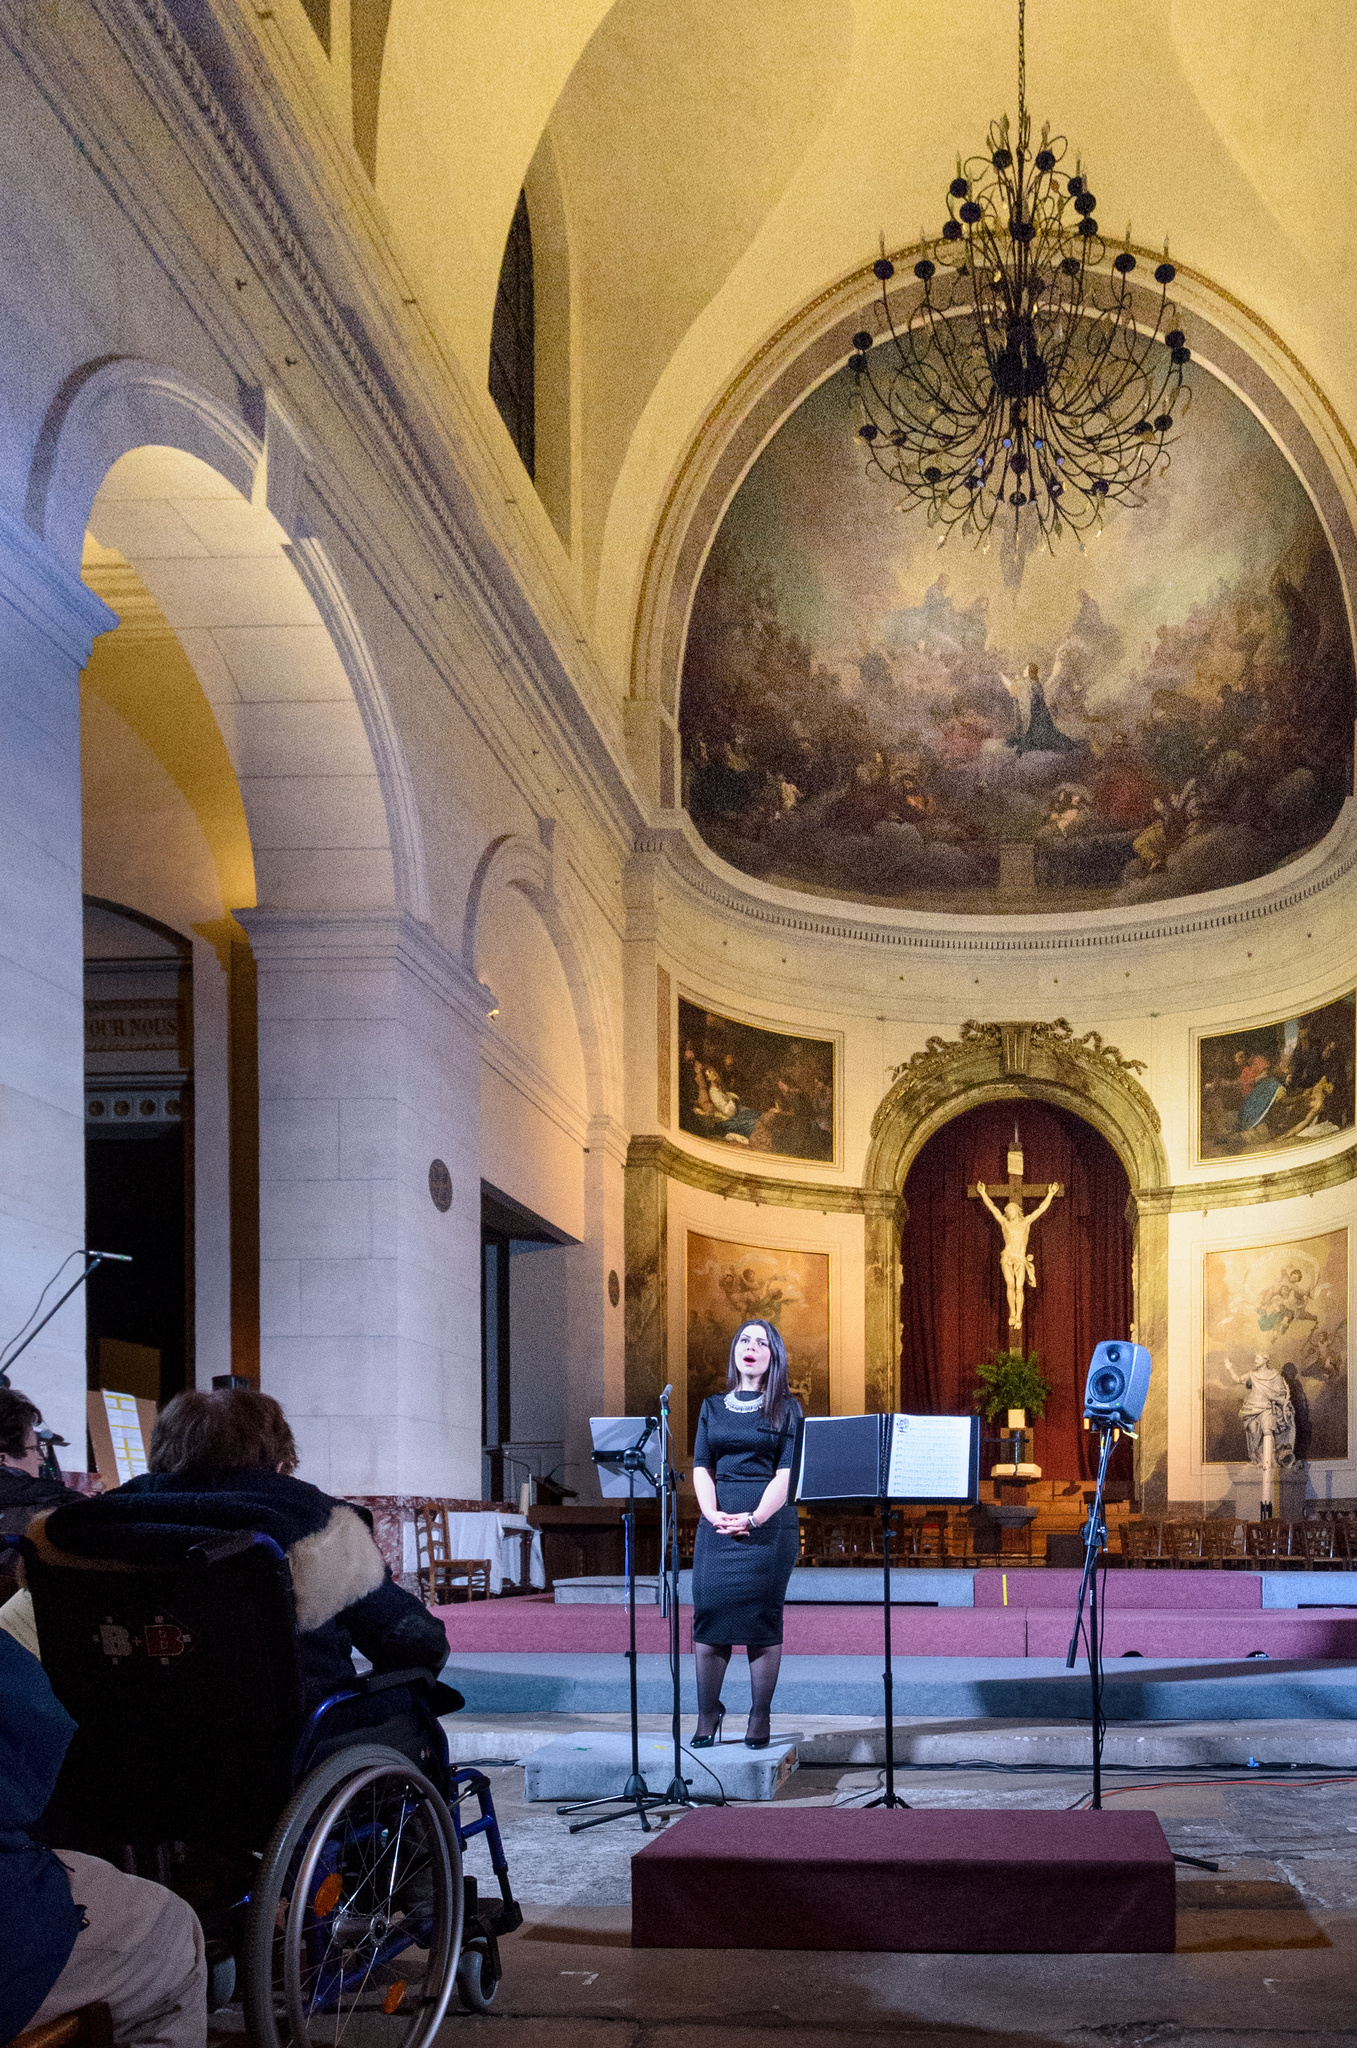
[(1118, 1383)]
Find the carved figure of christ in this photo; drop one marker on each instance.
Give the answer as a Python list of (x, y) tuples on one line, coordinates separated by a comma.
[(1015, 1261)]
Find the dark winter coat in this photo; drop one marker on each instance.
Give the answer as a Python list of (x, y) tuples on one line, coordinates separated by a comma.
[(346, 1598)]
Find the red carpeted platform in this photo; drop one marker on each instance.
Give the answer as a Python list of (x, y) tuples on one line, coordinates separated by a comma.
[(1018, 1630), (1189, 1592), (944, 1881)]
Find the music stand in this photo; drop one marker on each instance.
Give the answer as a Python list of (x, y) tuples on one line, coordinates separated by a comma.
[(627, 1460), (888, 1458)]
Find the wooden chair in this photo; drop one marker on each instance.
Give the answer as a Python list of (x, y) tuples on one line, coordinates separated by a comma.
[(91, 2026), (439, 1575), (1222, 1543), (1184, 1542), (1319, 1541), (1269, 1541), (1142, 1542)]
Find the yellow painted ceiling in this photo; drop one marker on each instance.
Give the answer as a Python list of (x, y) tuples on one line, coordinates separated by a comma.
[(724, 161)]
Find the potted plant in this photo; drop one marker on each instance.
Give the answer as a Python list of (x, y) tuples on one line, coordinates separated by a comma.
[(1012, 1383)]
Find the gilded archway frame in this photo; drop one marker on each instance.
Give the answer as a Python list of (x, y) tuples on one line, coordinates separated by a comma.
[(1014, 1062)]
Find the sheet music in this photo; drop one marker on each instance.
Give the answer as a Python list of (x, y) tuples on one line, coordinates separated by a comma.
[(930, 1457)]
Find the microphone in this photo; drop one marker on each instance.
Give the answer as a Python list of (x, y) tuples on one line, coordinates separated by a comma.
[(123, 1258), (667, 1392)]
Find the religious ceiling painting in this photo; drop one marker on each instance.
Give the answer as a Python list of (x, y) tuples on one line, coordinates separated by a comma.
[(727, 1285), (1278, 1085), (1275, 1352), (760, 1090), (1164, 709)]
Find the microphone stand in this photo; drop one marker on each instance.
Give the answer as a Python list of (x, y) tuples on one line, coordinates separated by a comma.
[(94, 1261), (1095, 1540), (634, 1797)]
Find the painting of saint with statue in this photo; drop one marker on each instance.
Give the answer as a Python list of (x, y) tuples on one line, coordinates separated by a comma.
[(1275, 1356)]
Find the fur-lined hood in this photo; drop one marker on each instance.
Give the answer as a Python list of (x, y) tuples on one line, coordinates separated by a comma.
[(329, 1545)]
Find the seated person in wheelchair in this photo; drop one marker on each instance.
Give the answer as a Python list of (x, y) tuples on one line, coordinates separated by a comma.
[(226, 1460)]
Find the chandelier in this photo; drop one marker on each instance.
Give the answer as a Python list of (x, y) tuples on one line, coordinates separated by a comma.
[(1023, 379)]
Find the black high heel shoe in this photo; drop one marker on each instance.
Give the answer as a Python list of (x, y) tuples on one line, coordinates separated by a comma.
[(756, 1741), (706, 1741)]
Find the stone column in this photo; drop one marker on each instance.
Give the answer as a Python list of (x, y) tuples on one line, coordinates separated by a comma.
[(595, 1345), (48, 620), (1149, 1213), (882, 1217), (369, 1070), (647, 1227)]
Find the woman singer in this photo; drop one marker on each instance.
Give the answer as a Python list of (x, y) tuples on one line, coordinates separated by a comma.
[(747, 1540)]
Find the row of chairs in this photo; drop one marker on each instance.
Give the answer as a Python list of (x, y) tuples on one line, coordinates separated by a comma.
[(1220, 1543)]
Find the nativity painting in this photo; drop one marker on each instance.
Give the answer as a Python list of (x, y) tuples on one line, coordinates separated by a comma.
[(754, 1089), (1165, 709), (1275, 1352), (1279, 1085)]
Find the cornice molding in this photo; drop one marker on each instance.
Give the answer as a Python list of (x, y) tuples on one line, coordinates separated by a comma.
[(365, 942), (1310, 1178), (650, 1153), (688, 863)]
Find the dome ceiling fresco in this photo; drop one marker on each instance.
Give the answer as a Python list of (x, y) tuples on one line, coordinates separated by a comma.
[(1167, 710)]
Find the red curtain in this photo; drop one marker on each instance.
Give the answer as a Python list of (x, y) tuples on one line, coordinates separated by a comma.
[(953, 1303)]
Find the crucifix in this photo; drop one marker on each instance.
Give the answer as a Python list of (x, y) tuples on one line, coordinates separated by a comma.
[(1015, 1261)]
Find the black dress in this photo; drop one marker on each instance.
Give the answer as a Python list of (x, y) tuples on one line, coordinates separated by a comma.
[(740, 1582)]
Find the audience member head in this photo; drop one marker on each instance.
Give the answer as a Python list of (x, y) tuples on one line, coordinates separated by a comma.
[(231, 1429), (20, 1450)]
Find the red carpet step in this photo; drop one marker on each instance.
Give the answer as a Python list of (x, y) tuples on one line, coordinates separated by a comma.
[(937, 1882), (534, 1626)]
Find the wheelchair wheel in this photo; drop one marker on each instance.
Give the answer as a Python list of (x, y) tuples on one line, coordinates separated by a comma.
[(355, 1922), (477, 1978)]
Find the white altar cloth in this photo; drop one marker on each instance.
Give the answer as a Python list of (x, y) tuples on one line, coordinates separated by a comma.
[(497, 1537)]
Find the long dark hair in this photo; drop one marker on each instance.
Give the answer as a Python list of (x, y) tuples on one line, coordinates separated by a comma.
[(778, 1404)]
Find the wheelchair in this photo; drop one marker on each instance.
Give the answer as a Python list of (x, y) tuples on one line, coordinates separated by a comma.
[(321, 1851)]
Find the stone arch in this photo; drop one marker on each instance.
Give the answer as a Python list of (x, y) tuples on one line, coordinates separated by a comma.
[(990, 1062), (513, 861), (1039, 1062), (251, 592)]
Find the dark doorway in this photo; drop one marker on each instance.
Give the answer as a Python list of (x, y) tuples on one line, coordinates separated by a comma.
[(138, 1152), (507, 1231), (953, 1305)]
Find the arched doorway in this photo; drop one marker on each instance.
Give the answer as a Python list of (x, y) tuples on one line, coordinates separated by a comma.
[(953, 1310), (139, 1151)]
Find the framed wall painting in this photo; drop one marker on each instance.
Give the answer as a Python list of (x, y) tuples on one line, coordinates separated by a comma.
[(1276, 1086), (727, 1284), (1279, 1310), (756, 1089)]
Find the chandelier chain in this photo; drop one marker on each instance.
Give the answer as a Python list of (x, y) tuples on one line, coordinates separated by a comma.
[(1022, 70)]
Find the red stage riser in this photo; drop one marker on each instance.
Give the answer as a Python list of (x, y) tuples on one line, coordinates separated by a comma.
[(514, 1625), (936, 1882)]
